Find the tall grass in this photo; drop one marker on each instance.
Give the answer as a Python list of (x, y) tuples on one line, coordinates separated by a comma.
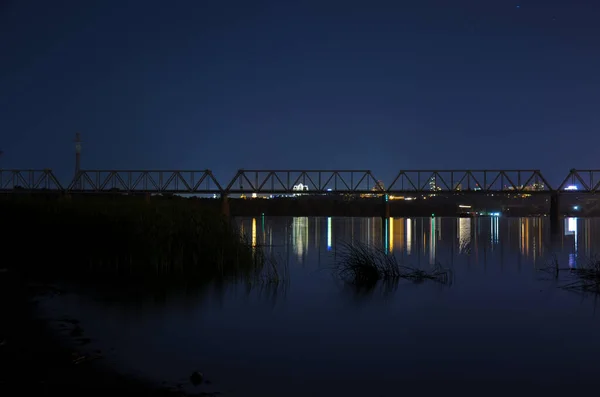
[(587, 274), (362, 264), (126, 236)]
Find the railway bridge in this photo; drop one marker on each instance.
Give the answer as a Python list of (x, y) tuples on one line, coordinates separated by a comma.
[(316, 182)]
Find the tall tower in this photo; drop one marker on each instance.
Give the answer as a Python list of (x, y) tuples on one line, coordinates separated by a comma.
[(77, 158)]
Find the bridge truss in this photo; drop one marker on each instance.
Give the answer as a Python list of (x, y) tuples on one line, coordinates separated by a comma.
[(586, 180), (297, 181), (180, 182), (455, 181), (16, 180)]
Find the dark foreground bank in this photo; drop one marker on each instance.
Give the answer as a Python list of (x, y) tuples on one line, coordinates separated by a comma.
[(35, 361)]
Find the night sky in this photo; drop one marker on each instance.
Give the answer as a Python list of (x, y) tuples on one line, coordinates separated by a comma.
[(380, 85)]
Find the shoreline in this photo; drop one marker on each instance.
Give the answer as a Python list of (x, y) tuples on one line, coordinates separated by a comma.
[(35, 359)]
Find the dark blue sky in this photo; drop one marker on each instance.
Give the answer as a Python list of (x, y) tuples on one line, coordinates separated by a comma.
[(380, 85)]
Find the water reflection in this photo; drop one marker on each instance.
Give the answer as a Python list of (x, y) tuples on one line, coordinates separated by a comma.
[(329, 234), (494, 230), (571, 230), (409, 234), (579, 237), (434, 236), (300, 236), (263, 340), (464, 234), (426, 240)]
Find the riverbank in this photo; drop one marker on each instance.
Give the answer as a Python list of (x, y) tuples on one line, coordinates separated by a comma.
[(34, 359), (106, 243), (101, 237)]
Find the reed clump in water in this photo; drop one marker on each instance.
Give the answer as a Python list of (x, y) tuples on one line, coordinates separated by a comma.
[(587, 275), (124, 236), (363, 264)]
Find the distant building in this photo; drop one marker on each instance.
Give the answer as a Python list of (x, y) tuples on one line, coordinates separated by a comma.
[(433, 183), (300, 188), (536, 187), (379, 187)]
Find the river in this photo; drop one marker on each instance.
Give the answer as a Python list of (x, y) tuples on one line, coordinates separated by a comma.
[(502, 321)]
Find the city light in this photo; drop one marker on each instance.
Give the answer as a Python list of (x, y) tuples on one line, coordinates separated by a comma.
[(571, 187)]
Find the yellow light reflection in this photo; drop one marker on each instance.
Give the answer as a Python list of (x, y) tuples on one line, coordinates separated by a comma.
[(400, 233), (254, 232), (408, 236), (464, 234), (391, 234), (525, 226)]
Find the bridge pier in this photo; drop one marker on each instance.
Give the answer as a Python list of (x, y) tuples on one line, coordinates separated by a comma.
[(555, 213), (385, 206), (225, 205)]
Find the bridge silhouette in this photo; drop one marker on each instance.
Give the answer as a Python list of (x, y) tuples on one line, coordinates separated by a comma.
[(308, 181)]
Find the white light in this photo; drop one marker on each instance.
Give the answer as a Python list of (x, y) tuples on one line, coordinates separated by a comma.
[(300, 187), (572, 224), (571, 187), (329, 234)]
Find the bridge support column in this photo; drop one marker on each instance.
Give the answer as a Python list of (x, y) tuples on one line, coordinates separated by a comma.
[(385, 206), (555, 213), (224, 205)]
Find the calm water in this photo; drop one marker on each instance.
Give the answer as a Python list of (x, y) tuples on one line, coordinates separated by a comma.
[(502, 321)]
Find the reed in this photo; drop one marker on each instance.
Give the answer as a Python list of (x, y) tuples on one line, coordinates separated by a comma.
[(362, 264), (587, 274), (128, 237)]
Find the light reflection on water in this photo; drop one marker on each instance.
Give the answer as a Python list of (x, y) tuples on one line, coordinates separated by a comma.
[(501, 321)]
